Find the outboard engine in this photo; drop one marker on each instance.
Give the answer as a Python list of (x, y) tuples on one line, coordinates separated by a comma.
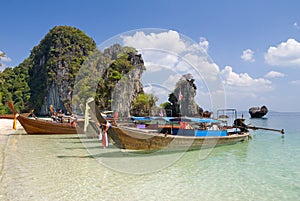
[(239, 123)]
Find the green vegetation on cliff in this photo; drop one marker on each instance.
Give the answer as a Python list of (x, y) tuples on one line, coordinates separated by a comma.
[(57, 60), (143, 105), (113, 77), (48, 76), (14, 86), (2, 54), (54, 62)]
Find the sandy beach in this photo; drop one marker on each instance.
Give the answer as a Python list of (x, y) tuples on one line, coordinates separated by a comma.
[(6, 127), (6, 130), (35, 167)]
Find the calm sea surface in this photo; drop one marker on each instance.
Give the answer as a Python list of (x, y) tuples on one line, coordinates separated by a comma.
[(73, 167)]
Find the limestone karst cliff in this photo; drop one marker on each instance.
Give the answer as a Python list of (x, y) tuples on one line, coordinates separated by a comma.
[(55, 63), (121, 81), (182, 99), (67, 68)]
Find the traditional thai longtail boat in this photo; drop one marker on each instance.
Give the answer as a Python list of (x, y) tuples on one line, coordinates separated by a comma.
[(125, 137), (39, 126), (11, 116), (128, 137)]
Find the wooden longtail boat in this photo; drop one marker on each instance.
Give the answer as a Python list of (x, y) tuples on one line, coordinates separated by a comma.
[(142, 139), (126, 137), (11, 116), (38, 126)]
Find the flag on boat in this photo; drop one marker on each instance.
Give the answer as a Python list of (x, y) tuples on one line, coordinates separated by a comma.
[(180, 97), (15, 122), (105, 139), (161, 114), (116, 115)]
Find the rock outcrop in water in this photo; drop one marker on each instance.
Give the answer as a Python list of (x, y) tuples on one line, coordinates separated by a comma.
[(258, 112), (181, 101)]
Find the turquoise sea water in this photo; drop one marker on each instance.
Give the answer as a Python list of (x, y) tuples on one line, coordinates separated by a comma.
[(72, 167)]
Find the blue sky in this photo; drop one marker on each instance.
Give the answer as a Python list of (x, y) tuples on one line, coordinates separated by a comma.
[(266, 31)]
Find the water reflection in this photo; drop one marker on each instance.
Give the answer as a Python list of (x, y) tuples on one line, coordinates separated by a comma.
[(142, 162)]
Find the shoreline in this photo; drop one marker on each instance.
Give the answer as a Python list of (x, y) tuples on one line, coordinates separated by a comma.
[(6, 127), (5, 131)]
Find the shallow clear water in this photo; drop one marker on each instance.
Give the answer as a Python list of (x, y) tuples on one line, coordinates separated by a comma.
[(72, 167)]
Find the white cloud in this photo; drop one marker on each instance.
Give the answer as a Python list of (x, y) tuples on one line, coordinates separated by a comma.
[(159, 50), (171, 81), (285, 54), (248, 55), (295, 82), (204, 43), (174, 52), (296, 25), (273, 74), (156, 60), (169, 49), (185, 56), (167, 41), (160, 91), (200, 64), (243, 82)]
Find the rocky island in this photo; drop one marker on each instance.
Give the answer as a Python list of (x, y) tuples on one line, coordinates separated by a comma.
[(258, 112)]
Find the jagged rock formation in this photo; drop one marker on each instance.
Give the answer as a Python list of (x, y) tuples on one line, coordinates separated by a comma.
[(128, 88), (121, 81), (258, 112), (112, 77), (182, 101)]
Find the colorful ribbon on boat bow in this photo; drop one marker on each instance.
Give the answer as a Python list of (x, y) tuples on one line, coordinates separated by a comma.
[(15, 121)]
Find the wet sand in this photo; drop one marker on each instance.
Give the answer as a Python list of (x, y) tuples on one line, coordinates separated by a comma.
[(47, 167), (6, 130)]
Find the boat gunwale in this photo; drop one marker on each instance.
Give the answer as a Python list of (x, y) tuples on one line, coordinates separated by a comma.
[(155, 134), (11, 116)]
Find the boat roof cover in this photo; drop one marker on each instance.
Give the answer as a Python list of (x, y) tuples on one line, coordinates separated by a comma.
[(174, 119)]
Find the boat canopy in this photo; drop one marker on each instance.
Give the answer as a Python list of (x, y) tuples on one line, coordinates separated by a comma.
[(205, 120), (142, 118), (177, 119)]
